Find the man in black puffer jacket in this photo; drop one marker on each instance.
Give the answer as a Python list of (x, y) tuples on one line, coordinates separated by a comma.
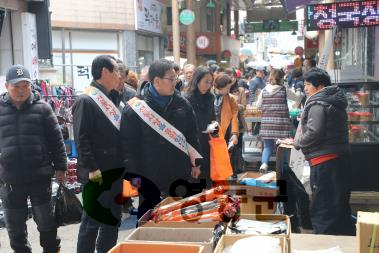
[(31, 149), (147, 154), (325, 144)]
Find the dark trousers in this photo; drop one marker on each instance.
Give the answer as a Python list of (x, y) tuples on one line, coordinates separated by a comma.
[(14, 199), (297, 203), (151, 196), (101, 218), (330, 210)]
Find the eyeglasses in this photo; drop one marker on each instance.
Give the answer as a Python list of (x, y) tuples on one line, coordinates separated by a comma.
[(171, 79)]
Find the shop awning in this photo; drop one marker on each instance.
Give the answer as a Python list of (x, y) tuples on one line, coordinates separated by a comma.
[(291, 5)]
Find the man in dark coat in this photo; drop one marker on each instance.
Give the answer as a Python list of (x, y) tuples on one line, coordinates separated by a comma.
[(31, 150), (147, 154), (257, 83), (325, 144), (99, 164)]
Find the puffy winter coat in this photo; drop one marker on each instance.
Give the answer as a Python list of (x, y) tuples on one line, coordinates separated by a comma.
[(324, 124), (31, 143)]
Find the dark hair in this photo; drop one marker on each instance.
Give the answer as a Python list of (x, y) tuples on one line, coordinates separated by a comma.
[(122, 67), (159, 69), (296, 73), (213, 68), (100, 62), (312, 63), (176, 67), (276, 77), (220, 69), (317, 77), (230, 72), (199, 74), (221, 81)]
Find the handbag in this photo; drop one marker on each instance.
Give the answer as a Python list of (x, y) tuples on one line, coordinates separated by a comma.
[(220, 166), (68, 209)]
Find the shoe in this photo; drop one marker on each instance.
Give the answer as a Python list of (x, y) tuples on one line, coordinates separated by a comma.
[(263, 169)]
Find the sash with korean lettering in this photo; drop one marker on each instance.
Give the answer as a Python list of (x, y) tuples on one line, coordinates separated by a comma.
[(105, 104), (164, 128)]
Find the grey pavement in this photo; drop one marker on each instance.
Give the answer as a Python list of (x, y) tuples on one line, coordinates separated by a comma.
[(68, 235)]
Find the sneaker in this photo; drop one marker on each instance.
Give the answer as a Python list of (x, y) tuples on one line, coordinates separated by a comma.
[(263, 169)]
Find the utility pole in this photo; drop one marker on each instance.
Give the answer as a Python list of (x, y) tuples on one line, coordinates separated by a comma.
[(191, 38), (175, 31)]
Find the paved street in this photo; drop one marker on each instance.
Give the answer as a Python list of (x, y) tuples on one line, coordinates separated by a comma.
[(68, 235)]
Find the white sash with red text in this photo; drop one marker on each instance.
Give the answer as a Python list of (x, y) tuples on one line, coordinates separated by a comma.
[(105, 104), (164, 128)]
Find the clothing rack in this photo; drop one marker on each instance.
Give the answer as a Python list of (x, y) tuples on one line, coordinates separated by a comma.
[(47, 96)]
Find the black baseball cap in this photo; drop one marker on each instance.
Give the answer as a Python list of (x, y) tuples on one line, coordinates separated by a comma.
[(17, 73)]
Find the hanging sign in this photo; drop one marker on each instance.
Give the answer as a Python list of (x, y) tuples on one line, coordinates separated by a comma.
[(323, 61), (342, 14), (187, 17), (202, 42), (30, 46), (148, 15)]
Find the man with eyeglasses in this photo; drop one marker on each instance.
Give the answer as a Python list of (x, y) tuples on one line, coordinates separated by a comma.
[(159, 138)]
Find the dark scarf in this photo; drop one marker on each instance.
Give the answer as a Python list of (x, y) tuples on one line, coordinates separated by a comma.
[(162, 101)]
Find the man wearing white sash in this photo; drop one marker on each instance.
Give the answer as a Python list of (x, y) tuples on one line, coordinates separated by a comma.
[(159, 137), (96, 121)]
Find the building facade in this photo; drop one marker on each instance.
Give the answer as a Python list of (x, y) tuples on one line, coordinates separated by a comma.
[(127, 29)]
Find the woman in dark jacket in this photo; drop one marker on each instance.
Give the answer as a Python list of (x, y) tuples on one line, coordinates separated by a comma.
[(202, 101)]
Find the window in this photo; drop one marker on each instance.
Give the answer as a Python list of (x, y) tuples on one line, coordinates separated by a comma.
[(371, 51), (169, 15)]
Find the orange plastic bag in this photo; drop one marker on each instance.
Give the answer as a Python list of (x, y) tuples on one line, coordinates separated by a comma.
[(220, 167), (128, 190)]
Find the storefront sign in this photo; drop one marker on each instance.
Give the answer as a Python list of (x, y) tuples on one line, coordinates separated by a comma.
[(213, 46), (202, 42), (187, 17), (30, 47), (342, 14), (271, 26), (148, 15)]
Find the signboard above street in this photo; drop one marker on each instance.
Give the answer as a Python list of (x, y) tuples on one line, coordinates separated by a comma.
[(342, 15), (271, 26), (187, 17), (148, 16)]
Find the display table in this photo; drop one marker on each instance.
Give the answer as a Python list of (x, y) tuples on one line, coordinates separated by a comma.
[(348, 244)]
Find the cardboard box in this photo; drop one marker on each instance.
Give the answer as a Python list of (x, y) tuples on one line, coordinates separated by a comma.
[(227, 240), (139, 247), (368, 232), (197, 236), (250, 205), (265, 217), (257, 191)]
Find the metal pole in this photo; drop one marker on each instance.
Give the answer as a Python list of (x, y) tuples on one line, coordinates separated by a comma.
[(175, 31), (191, 36)]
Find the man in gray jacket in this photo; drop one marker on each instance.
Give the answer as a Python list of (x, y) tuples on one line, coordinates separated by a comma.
[(325, 144), (31, 150)]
